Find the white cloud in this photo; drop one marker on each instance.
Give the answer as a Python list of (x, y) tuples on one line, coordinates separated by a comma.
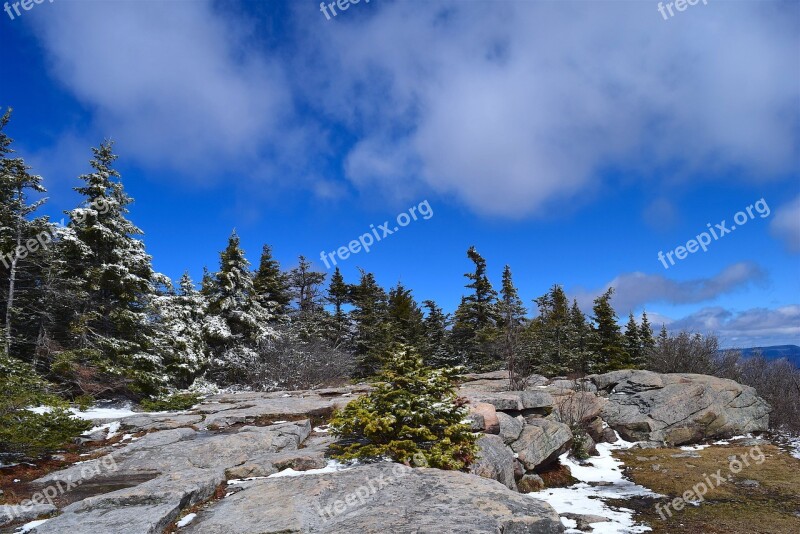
[(786, 224), (749, 328), (511, 106), (634, 290)]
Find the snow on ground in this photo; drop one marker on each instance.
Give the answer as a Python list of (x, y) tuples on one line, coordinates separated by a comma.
[(27, 527), (332, 467), (583, 498), (186, 520), (96, 412)]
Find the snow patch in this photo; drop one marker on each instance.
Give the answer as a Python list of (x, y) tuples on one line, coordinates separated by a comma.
[(186, 520), (27, 527), (584, 498)]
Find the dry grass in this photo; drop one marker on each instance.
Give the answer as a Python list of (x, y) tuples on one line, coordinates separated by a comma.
[(771, 507)]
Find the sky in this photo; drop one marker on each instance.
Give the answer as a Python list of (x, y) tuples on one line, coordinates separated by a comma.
[(574, 141)]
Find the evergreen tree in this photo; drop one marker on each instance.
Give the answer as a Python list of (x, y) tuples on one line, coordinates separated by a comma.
[(16, 187), (181, 320), (580, 341), (633, 343), (412, 416), (476, 319), (607, 344), (272, 285), (436, 343), (371, 326), (338, 296), (305, 284), (237, 321), (512, 319), (550, 331), (116, 280), (646, 334), (405, 317)]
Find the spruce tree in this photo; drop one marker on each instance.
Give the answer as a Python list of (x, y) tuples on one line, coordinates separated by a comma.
[(17, 233), (370, 322), (306, 284), (646, 334), (476, 319), (181, 320), (436, 349), (633, 343), (405, 317), (271, 285), (338, 296), (580, 341), (512, 319), (412, 416), (237, 322), (112, 269), (551, 331), (607, 344)]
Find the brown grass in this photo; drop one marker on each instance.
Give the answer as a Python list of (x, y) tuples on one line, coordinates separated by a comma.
[(772, 507)]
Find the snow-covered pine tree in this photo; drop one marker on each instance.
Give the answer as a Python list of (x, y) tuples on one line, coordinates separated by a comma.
[(109, 263), (272, 285), (181, 322), (237, 322)]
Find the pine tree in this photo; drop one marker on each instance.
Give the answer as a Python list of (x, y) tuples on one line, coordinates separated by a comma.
[(512, 319), (551, 330), (476, 318), (405, 317), (371, 326), (181, 319), (646, 335), (607, 344), (271, 285), (237, 322), (412, 416), (633, 343), (16, 186), (436, 349), (114, 273), (306, 286), (580, 341), (338, 296)]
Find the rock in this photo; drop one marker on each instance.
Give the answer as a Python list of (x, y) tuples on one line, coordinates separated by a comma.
[(530, 482), (584, 521), (519, 470), (541, 442), (689, 454), (587, 444), (608, 436), (513, 402), (18, 513), (679, 408), (376, 498), (510, 427), (143, 486), (492, 375), (494, 461), (484, 418), (147, 423)]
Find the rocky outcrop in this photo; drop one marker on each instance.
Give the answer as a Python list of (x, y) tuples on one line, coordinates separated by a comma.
[(679, 408), (542, 441), (494, 461), (376, 498)]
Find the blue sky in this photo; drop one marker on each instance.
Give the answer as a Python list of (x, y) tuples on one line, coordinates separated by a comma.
[(570, 140)]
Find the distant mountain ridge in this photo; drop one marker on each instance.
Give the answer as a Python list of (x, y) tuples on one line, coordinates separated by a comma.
[(774, 352)]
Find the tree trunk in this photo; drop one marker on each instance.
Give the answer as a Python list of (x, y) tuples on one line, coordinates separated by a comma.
[(12, 278)]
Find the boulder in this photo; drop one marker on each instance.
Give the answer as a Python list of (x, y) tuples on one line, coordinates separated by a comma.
[(679, 408), (530, 482), (494, 461), (376, 498), (17, 513), (510, 427), (541, 442), (483, 418)]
